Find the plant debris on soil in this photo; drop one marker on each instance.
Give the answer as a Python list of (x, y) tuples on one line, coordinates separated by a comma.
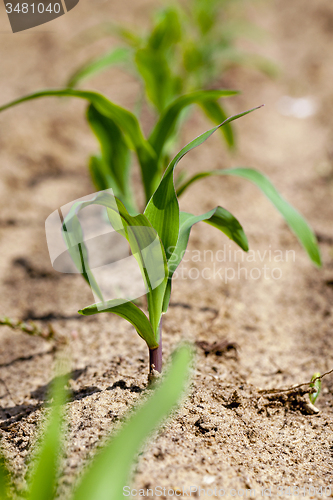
[(231, 432)]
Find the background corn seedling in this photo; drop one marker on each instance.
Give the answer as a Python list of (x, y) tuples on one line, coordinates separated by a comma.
[(187, 49), (118, 131), (108, 472), (162, 219)]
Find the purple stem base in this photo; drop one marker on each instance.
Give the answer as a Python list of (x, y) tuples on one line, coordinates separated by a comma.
[(155, 359), (155, 356)]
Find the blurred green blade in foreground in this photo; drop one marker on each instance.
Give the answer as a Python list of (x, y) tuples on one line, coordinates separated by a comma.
[(293, 218), (109, 472), (4, 480), (43, 481)]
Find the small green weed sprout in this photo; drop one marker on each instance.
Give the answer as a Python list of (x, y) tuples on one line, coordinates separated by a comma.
[(316, 384), (29, 327), (109, 471)]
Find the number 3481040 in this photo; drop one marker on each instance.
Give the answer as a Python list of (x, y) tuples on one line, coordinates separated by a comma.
[(32, 8)]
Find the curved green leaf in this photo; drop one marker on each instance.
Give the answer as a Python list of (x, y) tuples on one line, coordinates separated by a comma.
[(91, 68), (109, 472), (218, 217), (163, 209), (128, 311), (123, 118), (293, 218), (196, 177), (165, 126)]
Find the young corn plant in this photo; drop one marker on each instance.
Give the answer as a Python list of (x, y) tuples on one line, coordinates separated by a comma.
[(107, 476), (162, 219)]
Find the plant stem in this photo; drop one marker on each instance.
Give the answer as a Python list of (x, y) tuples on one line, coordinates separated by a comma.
[(155, 355)]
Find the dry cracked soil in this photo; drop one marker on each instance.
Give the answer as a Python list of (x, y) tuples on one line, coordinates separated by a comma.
[(275, 329)]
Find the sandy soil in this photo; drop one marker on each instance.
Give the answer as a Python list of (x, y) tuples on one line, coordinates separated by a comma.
[(227, 434)]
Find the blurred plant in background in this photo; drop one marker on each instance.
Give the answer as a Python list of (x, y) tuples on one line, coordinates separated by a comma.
[(119, 132), (188, 48)]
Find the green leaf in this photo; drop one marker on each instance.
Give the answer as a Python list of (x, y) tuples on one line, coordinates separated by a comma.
[(163, 209), (4, 480), (114, 164), (144, 243), (98, 173), (110, 470), (167, 122), (196, 177), (167, 296), (92, 68), (216, 113), (293, 218), (158, 78), (123, 118), (218, 217), (167, 30), (44, 478), (155, 60), (128, 311)]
